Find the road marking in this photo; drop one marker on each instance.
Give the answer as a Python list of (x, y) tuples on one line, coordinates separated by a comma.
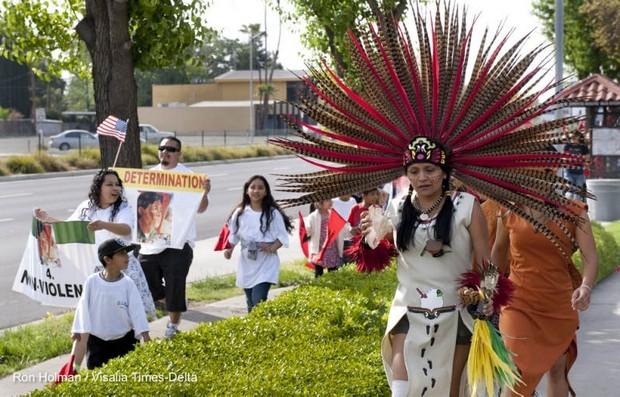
[(15, 195), (7, 219)]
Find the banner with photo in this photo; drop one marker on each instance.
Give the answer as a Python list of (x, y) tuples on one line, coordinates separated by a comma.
[(165, 204), (57, 259)]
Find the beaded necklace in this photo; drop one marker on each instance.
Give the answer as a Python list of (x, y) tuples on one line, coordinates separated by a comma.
[(425, 212)]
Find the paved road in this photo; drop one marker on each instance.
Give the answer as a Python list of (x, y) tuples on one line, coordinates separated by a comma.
[(60, 195)]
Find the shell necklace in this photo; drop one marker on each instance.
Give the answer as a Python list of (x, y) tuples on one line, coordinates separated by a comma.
[(425, 212)]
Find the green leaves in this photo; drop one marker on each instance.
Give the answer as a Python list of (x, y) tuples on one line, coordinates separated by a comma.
[(40, 34), (162, 31), (583, 52), (327, 22)]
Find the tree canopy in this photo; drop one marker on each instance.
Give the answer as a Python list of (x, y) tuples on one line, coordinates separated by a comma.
[(327, 22), (119, 36), (590, 28)]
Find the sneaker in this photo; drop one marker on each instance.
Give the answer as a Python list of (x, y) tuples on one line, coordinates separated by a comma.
[(171, 330)]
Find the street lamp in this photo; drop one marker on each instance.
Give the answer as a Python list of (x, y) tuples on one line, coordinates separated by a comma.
[(252, 37)]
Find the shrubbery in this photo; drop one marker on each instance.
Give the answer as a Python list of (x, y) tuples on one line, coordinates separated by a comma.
[(607, 250), (321, 339), (91, 159), (24, 165)]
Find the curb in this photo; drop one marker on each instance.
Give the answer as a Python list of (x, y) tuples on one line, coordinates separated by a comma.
[(62, 174)]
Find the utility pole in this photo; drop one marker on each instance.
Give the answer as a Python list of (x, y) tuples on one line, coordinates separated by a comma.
[(559, 43), (252, 37)]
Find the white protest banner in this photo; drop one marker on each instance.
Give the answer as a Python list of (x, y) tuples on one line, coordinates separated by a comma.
[(165, 204), (57, 260)]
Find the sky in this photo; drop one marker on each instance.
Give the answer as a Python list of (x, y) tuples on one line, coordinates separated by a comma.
[(228, 16)]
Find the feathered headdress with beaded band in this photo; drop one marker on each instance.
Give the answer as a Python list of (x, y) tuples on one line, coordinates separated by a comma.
[(432, 96)]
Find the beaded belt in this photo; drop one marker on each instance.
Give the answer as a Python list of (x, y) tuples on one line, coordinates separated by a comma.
[(431, 314)]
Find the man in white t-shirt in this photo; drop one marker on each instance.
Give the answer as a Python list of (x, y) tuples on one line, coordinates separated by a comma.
[(171, 265)]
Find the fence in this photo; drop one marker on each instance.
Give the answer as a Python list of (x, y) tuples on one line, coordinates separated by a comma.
[(33, 143)]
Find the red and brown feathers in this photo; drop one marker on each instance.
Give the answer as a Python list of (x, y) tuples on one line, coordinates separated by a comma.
[(427, 79)]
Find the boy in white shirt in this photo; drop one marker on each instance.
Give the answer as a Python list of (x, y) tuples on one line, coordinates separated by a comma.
[(110, 309)]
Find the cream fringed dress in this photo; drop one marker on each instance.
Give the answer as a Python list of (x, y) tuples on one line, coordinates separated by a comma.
[(424, 284)]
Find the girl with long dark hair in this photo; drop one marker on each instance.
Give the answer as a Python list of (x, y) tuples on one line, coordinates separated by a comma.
[(259, 225), (109, 216)]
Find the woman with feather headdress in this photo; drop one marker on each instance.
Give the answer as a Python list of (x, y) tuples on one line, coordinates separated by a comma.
[(429, 106)]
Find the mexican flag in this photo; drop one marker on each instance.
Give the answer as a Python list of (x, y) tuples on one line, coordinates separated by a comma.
[(57, 259)]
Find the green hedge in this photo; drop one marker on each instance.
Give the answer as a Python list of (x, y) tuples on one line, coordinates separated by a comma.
[(321, 339), (607, 250), (91, 159)]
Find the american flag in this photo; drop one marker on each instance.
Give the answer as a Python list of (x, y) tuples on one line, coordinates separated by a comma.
[(113, 126)]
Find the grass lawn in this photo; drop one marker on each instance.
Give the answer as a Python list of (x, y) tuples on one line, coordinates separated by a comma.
[(222, 287), (614, 229), (30, 344)]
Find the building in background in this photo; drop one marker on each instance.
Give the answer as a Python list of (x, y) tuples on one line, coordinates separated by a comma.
[(224, 104), (600, 96)]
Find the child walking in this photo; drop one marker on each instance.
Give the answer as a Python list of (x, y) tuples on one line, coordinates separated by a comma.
[(259, 225), (110, 310), (369, 198), (317, 223)]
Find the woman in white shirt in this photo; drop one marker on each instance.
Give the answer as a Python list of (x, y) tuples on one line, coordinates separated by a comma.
[(110, 216), (261, 227)]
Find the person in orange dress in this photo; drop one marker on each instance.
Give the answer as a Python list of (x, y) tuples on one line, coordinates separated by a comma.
[(539, 325), (493, 213)]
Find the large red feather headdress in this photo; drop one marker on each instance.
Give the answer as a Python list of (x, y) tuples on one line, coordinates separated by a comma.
[(482, 109)]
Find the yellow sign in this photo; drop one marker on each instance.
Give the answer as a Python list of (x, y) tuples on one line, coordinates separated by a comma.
[(162, 180)]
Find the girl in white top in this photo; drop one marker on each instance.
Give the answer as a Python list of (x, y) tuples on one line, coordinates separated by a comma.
[(261, 227), (110, 216), (318, 226)]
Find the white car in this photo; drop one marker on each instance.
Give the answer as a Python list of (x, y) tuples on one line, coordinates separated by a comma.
[(73, 139), (150, 134)]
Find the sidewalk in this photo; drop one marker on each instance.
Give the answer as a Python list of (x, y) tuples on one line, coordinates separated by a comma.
[(207, 263)]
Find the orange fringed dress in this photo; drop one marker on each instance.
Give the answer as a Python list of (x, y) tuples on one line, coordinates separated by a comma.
[(539, 324)]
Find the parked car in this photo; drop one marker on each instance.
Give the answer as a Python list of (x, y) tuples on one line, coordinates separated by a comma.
[(73, 139), (150, 134)]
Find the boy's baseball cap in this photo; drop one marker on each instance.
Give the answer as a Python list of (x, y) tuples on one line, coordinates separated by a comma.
[(112, 246)]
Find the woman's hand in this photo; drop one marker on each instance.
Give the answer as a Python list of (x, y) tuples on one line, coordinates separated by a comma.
[(365, 224), (270, 248), (581, 297), (40, 214), (487, 308), (43, 216), (76, 337), (228, 253), (93, 226)]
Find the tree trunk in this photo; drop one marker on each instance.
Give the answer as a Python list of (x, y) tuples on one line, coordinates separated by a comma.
[(105, 31)]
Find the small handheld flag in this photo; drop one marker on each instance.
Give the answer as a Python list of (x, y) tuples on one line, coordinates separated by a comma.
[(114, 127), (222, 239)]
